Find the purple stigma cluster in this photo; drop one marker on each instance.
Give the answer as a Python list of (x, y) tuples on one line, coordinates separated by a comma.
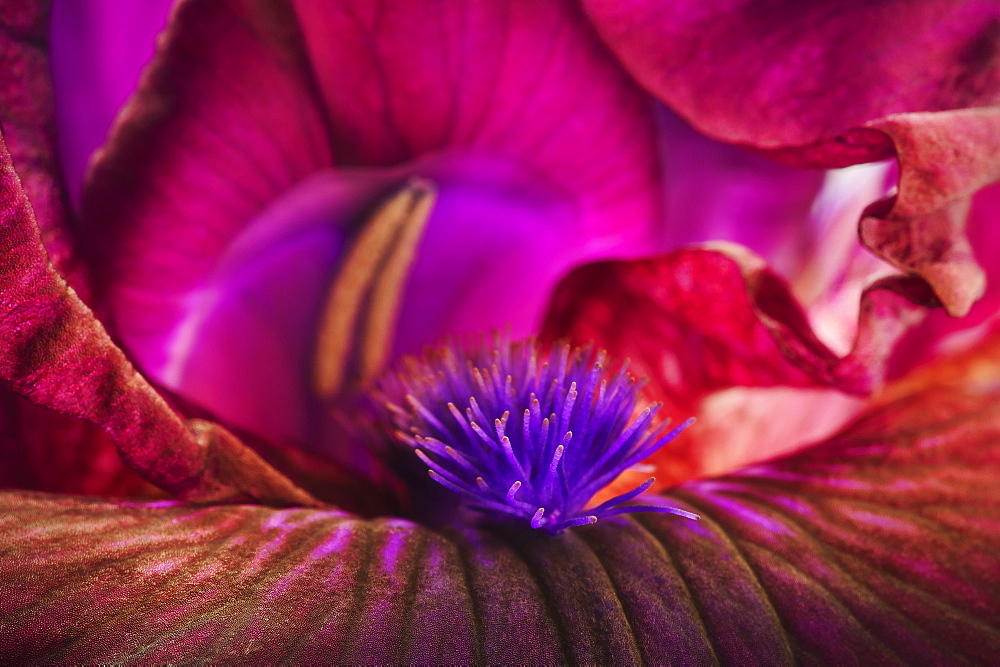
[(524, 436)]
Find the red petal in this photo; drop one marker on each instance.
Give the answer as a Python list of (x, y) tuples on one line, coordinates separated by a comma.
[(698, 321), (53, 351), (791, 73), (28, 121), (878, 546)]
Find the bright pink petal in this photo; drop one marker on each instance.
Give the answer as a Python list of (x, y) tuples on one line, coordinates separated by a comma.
[(790, 73), (28, 122), (719, 192), (98, 50), (518, 79), (54, 352), (215, 199), (879, 545)]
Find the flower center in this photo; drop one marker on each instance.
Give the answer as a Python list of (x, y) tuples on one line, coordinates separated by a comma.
[(523, 435)]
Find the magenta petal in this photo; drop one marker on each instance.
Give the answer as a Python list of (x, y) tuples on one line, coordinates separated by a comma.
[(878, 545), (801, 73), (201, 148), (28, 123), (99, 47), (525, 81), (944, 159), (54, 352)]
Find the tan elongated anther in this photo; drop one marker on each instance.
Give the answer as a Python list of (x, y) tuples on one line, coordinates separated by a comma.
[(362, 306)]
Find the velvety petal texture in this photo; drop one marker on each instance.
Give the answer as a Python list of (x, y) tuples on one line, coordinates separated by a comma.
[(46, 451), (28, 123), (54, 352), (879, 545), (839, 66)]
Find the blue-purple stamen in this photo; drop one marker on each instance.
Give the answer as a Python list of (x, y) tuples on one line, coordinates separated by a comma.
[(546, 469)]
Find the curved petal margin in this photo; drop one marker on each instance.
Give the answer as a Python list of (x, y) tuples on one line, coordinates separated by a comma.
[(787, 73), (700, 320), (27, 117), (879, 545), (944, 159), (53, 351)]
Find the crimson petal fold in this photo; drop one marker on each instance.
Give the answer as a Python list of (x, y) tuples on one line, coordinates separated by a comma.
[(27, 117), (58, 355)]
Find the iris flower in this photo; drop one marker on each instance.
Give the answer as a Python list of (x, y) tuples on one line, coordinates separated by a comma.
[(195, 336)]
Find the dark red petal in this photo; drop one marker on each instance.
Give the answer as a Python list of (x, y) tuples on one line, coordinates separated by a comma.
[(54, 352), (42, 450), (788, 73), (28, 123), (879, 545)]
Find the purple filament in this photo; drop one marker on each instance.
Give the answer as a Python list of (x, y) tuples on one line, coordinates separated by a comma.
[(576, 432)]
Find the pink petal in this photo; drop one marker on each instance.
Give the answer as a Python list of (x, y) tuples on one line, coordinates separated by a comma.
[(944, 158), (782, 74), (716, 191), (27, 118), (98, 50), (879, 545), (942, 333), (522, 80), (211, 154), (54, 352)]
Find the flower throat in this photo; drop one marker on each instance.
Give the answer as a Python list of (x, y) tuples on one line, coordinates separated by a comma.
[(524, 436)]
